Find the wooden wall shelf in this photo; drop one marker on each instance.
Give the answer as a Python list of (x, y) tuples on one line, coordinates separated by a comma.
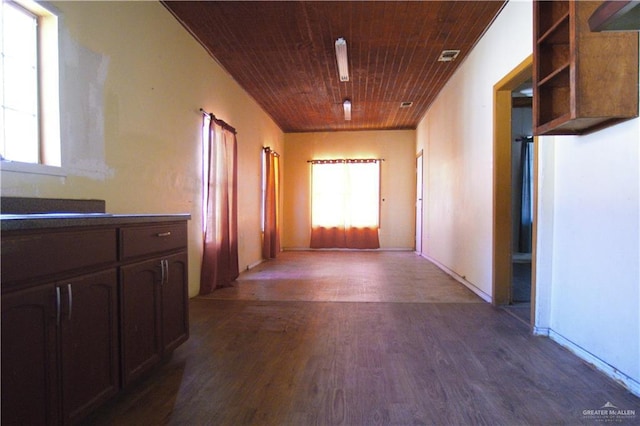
[(582, 81), (616, 16)]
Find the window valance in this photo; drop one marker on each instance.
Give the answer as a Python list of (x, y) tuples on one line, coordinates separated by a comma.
[(346, 160)]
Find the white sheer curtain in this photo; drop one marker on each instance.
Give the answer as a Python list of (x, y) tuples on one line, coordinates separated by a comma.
[(345, 203), (220, 206)]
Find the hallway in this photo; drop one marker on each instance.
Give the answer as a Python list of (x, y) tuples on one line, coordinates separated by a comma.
[(348, 276), (361, 338)]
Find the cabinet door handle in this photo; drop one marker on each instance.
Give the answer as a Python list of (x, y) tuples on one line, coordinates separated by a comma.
[(57, 306), (163, 234), (70, 298), (165, 268)]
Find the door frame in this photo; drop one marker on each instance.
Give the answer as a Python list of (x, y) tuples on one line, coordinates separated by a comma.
[(419, 202), (502, 220)]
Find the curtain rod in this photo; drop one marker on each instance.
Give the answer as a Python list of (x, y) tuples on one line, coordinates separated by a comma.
[(347, 160), (268, 149), (219, 122)]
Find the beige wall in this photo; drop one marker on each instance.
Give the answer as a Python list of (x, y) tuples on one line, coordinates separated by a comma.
[(132, 81), (456, 135), (397, 148), (587, 296)]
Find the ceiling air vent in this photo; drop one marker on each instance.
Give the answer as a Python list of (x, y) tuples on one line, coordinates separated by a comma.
[(448, 55), (406, 104)]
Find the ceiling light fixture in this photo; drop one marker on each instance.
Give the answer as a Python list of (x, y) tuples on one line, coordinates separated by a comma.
[(347, 109), (341, 56), (527, 91)]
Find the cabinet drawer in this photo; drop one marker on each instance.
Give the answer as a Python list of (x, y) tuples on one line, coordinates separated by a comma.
[(143, 240), (31, 256)]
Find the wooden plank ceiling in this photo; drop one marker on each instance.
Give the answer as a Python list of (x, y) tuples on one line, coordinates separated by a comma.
[(282, 53)]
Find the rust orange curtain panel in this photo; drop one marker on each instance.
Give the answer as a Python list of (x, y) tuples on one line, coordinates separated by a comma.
[(220, 205), (345, 204), (271, 178)]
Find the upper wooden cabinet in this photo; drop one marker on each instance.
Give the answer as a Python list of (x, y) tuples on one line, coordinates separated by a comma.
[(583, 80), (616, 15)]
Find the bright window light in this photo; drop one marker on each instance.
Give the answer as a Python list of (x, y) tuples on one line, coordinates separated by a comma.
[(206, 126), (29, 79), (345, 194), (20, 138)]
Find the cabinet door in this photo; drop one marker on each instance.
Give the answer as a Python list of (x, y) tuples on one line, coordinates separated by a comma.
[(29, 357), (89, 342), (140, 318), (175, 303)]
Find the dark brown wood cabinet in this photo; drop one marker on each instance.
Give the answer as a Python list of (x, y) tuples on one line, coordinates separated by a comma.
[(59, 349), (582, 80), (154, 309), (154, 298), (175, 303), (29, 357), (89, 342), (140, 311), (85, 312)]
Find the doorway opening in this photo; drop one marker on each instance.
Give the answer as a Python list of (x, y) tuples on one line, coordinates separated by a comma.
[(419, 204), (522, 145), (514, 155)]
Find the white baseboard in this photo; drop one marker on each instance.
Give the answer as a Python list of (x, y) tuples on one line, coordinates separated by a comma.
[(254, 264), (346, 249), (540, 331), (628, 382), (484, 296)]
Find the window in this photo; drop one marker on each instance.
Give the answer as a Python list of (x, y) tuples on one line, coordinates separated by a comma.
[(345, 194), (29, 110), (345, 203)]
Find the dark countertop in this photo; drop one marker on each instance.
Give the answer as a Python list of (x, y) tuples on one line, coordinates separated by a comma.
[(16, 222)]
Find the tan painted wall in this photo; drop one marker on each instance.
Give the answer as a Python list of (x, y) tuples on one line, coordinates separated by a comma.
[(456, 135), (132, 81), (588, 213), (397, 181)]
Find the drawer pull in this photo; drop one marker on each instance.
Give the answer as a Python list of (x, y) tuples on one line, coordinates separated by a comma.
[(163, 234)]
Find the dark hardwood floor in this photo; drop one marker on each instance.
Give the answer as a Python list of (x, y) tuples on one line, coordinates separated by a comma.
[(271, 356)]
